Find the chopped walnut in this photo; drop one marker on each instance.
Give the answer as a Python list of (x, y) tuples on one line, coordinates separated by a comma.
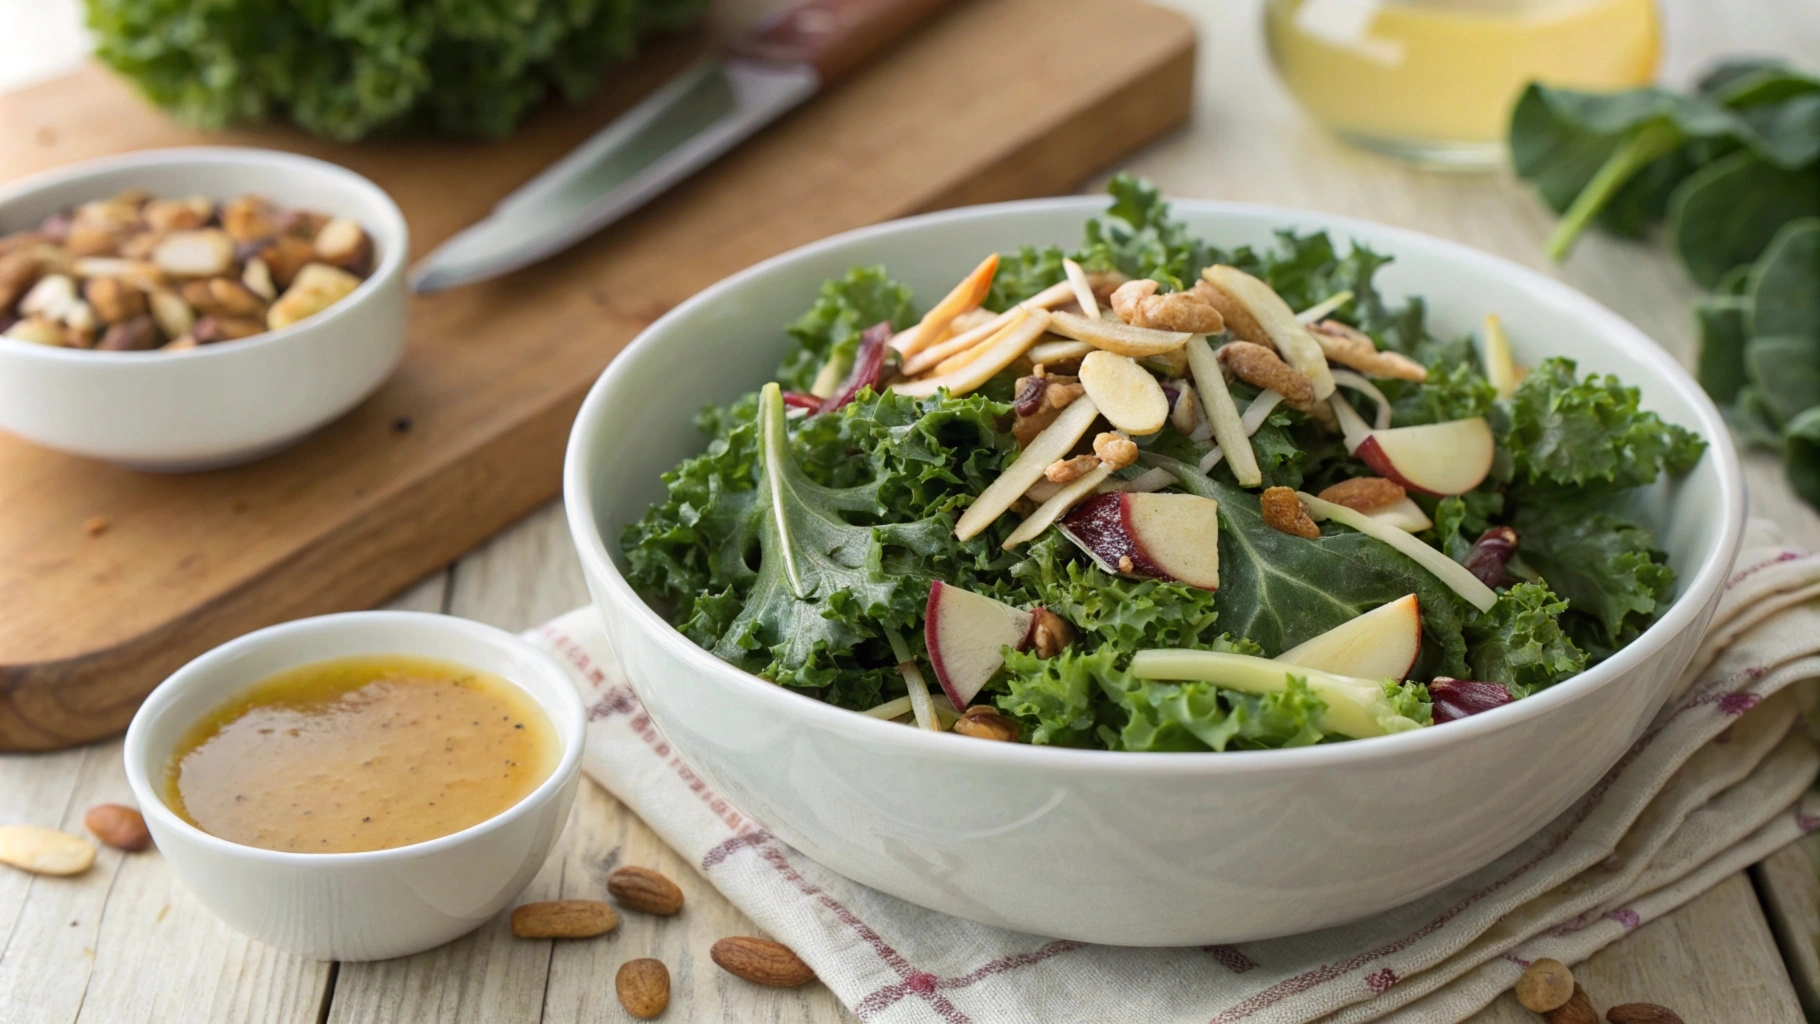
[(1349, 346), (1284, 511), (1115, 449), (1364, 493), (1049, 633), (1126, 564), (1063, 471), (1261, 367), (983, 722), (1138, 304)]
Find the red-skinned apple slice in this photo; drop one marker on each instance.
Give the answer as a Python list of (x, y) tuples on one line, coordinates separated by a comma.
[(1151, 536), (966, 633), (1381, 644), (1441, 459)]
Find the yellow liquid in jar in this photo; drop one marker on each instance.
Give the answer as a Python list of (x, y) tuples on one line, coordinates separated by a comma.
[(1447, 72)]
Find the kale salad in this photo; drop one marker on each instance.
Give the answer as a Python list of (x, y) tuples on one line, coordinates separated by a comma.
[(1159, 495)]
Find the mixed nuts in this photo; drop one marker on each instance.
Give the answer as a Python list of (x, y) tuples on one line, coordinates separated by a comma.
[(49, 851), (1548, 988), (134, 272)]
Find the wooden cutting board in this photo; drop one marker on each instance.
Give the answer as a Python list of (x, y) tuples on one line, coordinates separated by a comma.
[(998, 99)]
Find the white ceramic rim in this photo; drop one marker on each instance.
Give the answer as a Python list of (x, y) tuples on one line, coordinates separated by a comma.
[(391, 263), (152, 802), (1624, 335)]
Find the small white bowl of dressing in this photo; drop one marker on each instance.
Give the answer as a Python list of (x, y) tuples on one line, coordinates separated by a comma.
[(361, 903)]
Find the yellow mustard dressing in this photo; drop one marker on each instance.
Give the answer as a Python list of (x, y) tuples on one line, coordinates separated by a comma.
[(363, 753)]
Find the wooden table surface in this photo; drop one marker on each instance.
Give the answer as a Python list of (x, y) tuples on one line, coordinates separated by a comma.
[(125, 942)]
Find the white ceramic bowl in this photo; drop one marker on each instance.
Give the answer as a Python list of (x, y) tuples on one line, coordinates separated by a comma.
[(222, 403), (1140, 849), (358, 906)]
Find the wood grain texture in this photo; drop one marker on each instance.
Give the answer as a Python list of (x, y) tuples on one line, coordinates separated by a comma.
[(1788, 882), (493, 373)]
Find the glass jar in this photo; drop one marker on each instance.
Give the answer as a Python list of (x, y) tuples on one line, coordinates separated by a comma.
[(1433, 81)]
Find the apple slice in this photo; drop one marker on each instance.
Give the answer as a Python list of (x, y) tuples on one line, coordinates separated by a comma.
[(1435, 458), (1083, 289), (1058, 350), (1355, 707), (1150, 536), (1404, 514), (966, 633), (1222, 414), (1128, 396), (1380, 644)]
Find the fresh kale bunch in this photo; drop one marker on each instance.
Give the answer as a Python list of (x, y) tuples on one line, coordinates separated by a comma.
[(797, 548), (1733, 172), (347, 70)]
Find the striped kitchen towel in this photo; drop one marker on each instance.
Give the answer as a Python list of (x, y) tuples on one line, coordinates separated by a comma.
[(1718, 781)]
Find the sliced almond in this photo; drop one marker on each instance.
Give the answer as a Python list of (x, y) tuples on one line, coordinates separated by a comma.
[(1291, 339), (1120, 339), (45, 851), (174, 316), (1065, 498), (1083, 291), (258, 279), (1222, 414), (1053, 443), (1010, 344), (1127, 395), (964, 296)]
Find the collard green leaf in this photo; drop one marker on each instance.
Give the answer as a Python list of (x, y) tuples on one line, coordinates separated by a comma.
[(1724, 214), (1721, 321), (1785, 298), (1278, 590), (1802, 455), (1786, 372)]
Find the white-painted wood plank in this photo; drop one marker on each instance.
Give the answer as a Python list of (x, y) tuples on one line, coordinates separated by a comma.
[(1788, 882), (526, 575)]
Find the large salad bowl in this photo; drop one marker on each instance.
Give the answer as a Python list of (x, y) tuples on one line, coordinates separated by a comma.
[(1114, 847)]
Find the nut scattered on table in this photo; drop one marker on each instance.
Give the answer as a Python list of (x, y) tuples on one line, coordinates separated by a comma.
[(134, 272), (1577, 1010), (1545, 985), (643, 986), (45, 851), (95, 525), (564, 919), (644, 890), (1642, 1013), (119, 826), (761, 961)]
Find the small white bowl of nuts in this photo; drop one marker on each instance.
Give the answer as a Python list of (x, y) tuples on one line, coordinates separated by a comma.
[(188, 308)]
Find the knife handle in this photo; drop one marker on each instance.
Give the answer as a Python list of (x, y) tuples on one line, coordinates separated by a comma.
[(834, 36)]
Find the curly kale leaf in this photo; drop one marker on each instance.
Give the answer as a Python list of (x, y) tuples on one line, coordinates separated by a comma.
[(1124, 613), (1138, 238), (1607, 569), (1520, 643), (1569, 432), (843, 309), (344, 70), (1168, 716)]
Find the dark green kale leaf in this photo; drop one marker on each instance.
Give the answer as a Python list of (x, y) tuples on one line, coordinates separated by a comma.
[(1453, 391), (1606, 568), (1569, 432), (1520, 643), (1138, 238), (843, 309)]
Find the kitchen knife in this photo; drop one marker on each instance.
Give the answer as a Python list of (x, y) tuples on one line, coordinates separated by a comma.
[(705, 111)]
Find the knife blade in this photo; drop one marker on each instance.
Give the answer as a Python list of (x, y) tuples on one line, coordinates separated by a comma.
[(686, 124)]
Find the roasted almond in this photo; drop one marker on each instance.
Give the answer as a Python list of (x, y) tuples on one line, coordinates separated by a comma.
[(45, 851), (761, 961), (564, 919), (1642, 1013), (644, 890), (1365, 493), (118, 826), (1577, 1010), (983, 722), (1283, 510), (643, 986), (1545, 984)]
